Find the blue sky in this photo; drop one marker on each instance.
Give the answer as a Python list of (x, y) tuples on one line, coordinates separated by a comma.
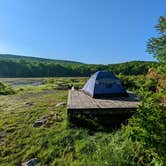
[(90, 31)]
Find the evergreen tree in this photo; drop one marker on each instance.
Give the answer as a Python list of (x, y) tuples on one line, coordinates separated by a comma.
[(157, 45)]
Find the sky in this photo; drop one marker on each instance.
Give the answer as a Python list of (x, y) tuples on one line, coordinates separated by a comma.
[(89, 31)]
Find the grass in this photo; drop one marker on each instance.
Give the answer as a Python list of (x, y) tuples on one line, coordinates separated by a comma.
[(5, 89), (55, 142), (21, 140)]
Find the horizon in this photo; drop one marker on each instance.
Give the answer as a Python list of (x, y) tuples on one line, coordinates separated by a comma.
[(80, 61), (88, 32)]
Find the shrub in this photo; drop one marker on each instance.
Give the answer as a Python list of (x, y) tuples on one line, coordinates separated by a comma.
[(138, 82), (49, 81), (148, 127), (5, 89)]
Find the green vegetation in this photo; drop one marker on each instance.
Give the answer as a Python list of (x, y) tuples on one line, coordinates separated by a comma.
[(34, 59), (5, 89), (141, 142), (19, 66), (157, 45), (65, 84), (134, 83)]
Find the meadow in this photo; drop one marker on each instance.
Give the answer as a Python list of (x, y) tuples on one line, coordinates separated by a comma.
[(56, 142)]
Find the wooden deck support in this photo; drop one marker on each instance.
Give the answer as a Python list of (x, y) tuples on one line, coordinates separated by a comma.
[(117, 108)]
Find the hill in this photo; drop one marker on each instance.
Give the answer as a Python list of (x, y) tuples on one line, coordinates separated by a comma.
[(132, 67), (34, 59), (22, 66)]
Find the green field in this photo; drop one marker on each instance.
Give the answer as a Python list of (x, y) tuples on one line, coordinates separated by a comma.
[(56, 142)]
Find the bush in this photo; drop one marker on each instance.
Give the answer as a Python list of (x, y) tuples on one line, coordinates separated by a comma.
[(148, 127), (5, 89), (49, 81), (135, 83), (129, 81), (141, 142)]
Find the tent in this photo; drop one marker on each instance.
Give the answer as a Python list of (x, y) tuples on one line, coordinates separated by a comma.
[(104, 84)]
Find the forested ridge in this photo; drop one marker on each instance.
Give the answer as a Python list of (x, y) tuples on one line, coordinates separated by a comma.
[(22, 66), (34, 59)]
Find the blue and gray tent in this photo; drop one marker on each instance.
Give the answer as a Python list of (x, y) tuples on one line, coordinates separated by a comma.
[(104, 84)]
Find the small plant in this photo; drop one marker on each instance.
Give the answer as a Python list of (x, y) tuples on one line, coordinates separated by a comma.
[(5, 89), (49, 81)]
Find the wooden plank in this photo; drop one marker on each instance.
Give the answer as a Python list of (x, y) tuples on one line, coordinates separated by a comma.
[(107, 111), (80, 100)]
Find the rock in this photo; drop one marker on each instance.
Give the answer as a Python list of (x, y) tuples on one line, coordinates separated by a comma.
[(31, 162), (29, 104), (52, 114), (40, 122), (2, 135), (60, 104), (61, 88), (59, 82), (58, 119)]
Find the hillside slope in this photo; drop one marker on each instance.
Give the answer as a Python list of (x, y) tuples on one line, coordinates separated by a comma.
[(34, 59), (22, 66)]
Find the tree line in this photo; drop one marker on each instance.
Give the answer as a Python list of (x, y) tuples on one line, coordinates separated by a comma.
[(25, 68)]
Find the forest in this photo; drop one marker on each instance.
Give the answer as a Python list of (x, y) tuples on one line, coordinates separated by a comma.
[(21, 66)]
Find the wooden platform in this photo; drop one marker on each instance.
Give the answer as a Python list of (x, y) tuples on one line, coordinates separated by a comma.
[(79, 102)]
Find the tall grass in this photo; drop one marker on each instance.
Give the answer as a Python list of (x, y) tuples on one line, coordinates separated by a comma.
[(141, 142), (5, 89)]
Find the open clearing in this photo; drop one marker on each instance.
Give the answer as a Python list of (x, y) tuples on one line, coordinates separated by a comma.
[(53, 143), (33, 125)]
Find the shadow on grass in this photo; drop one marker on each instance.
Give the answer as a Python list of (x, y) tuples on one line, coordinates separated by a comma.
[(95, 123)]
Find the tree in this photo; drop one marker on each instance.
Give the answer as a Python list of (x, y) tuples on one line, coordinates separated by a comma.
[(157, 45)]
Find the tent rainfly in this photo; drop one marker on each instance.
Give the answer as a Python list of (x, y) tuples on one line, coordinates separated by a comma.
[(104, 84)]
